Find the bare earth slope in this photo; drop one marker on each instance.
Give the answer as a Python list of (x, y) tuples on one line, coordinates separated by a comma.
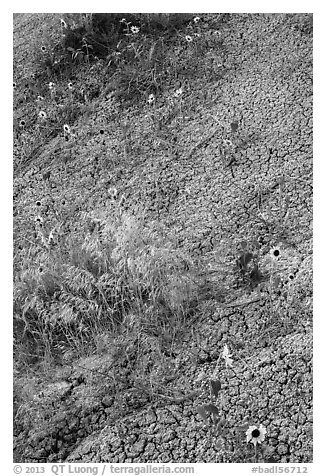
[(211, 187)]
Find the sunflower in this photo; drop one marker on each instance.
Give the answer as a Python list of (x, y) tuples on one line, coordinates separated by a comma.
[(227, 356), (38, 220), (66, 129), (196, 19), (256, 435), (63, 23), (42, 115), (15, 85), (189, 38), (22, 123), (113, 193), (151, 99), (70, 86), (40, 98), (178, 92), (134, 30), (43, 49), (275, 253), (51, 86)]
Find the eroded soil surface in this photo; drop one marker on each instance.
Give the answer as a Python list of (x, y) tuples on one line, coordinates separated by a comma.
[(211, 187)]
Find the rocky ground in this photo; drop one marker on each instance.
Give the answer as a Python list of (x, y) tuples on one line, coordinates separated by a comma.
[(211, 186)]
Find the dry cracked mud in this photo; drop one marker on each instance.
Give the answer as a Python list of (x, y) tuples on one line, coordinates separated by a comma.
[(210, 187)]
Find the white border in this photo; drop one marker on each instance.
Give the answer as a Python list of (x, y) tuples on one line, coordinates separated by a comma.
[(319, 196)]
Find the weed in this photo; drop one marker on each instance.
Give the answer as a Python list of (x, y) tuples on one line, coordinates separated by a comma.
[(247, 264), (215, 417), (121, 267)]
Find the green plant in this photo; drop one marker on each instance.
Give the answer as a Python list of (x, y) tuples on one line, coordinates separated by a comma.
[(81, 286), (247, 264), (216, 419), (132, 56)]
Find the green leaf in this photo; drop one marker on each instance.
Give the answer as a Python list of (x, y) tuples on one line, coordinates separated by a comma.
[(221, 424), (211, 409), (202, 413), (255, 274), (216, 387), (243, 260), (244, 245), (247, 258)]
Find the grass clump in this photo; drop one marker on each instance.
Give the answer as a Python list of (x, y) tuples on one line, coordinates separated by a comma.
[(118, 292), (82, 286), (90, 57)]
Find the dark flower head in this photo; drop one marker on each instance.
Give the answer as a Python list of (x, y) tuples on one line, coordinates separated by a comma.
[(42, 115), (275, 253), (15, 85), (101, 131), (39, 220), (22, 123), (43, 48), (38, 203), (256, 435)]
